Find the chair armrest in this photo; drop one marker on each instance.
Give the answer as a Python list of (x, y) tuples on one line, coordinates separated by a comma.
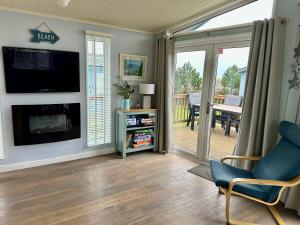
[(279, 183), (282, 184), (253, 158)]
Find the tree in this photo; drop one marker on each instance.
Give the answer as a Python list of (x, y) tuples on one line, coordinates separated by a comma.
[(231, 79), (187, 79)]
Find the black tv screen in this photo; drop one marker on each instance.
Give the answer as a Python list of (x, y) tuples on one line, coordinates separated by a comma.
[(37, 70)]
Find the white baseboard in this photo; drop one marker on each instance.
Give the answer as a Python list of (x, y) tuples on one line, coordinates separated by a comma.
[(58, 159)]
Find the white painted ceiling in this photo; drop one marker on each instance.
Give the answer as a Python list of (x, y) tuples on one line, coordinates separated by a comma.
[(144, 15)]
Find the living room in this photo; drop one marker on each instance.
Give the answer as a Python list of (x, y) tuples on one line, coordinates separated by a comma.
[(132, 112)]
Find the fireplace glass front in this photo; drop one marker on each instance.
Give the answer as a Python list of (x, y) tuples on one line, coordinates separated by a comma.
[(36, 124)]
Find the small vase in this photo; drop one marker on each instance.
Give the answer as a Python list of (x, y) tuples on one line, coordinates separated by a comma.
[(126, 103)]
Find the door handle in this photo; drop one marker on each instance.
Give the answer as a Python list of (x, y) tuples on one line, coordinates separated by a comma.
[(208, 105)]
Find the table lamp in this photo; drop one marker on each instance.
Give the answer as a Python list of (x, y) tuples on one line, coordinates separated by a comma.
[(146, 90)]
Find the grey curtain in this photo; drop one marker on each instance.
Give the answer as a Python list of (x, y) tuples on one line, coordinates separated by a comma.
[(259, 124), (164, 74)]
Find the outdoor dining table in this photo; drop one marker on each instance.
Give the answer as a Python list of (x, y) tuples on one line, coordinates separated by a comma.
[(228, 109)]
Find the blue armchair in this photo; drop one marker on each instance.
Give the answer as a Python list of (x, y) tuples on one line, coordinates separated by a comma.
[(279, 169)]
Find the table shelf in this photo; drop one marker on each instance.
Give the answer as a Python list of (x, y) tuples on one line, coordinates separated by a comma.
[(139, 128), (129, 150)]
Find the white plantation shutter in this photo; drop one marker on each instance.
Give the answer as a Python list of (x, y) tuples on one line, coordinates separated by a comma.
[(1, 140), (98, 79)]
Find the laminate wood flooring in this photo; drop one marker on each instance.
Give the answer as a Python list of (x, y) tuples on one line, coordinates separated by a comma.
[(145, 188)]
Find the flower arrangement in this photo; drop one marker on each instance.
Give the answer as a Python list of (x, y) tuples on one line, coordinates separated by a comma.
[(124, 89)]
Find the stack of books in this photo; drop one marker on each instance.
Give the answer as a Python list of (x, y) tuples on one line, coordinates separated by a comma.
[(147, 121), (140, 138)]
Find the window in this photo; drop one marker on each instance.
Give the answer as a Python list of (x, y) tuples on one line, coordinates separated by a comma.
[(98, 80), (257, 10)]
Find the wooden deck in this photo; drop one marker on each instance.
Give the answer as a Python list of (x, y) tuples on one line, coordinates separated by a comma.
[(220, 145)]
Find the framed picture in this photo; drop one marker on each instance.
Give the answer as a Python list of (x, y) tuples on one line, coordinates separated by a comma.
[(133, 67)]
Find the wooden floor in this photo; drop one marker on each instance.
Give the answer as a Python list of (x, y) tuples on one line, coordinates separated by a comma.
[(220, 145), (145, 188)]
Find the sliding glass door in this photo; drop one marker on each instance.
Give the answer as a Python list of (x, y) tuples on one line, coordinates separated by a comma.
[(190, 79), (209, 87), (225, 98)]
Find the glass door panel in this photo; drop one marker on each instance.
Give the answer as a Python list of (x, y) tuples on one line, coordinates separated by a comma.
[(227, 93), (188, 86)]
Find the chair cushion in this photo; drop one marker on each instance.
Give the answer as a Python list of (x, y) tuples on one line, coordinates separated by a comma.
[(223, 173), (283, 161), (290, 132)]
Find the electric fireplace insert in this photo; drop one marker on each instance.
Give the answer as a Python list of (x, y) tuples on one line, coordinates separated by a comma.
[(36, 124)]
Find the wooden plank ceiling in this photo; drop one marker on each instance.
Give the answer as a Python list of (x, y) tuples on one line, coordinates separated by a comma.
[(144, 15)]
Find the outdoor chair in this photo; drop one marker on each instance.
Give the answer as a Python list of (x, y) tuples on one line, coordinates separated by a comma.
[(279, 169), (194, 100)]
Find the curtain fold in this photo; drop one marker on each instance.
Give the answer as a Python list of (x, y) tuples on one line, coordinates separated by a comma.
[(259, 123), (260, 120), (164, 76)]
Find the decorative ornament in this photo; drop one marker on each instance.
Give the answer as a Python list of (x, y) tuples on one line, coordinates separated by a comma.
[(297, 51), (295, 81)]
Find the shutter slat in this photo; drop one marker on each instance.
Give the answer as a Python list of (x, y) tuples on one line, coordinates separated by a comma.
[(98, 90)]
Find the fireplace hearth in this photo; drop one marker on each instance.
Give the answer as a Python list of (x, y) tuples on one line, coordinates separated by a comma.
[(37, 124)]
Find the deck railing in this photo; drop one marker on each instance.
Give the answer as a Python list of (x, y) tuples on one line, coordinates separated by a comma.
[(181, 106), (181, 111)]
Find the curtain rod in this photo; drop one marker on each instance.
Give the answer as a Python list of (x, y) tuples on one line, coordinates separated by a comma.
[(245, 25), (168, 34), (283, 21)]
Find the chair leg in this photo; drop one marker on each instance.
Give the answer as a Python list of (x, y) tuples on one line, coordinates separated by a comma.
[(213, 122), (227, 127), (237, 128), (228, 219), (221, 191), (276, 215), (189, 119), (192, 117)]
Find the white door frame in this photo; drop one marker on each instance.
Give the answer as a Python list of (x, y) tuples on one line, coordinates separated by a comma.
[(206, 73), (207, 120), (210, 45)]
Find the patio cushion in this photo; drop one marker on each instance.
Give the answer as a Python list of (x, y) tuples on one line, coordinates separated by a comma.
[(194, 98), (233, 100), (223, 173)]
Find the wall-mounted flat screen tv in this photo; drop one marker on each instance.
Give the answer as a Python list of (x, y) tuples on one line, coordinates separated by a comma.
[(37, 70)]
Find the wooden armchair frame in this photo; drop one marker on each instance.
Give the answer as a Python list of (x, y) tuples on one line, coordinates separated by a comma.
[(229, 192)]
